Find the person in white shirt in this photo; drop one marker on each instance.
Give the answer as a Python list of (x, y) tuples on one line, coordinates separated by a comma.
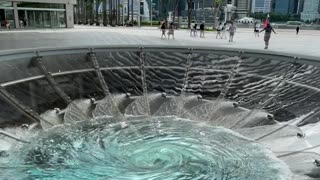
[(219, 29), (192, 28)]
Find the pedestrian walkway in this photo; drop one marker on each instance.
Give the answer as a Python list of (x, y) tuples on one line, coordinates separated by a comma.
[(285, 41)]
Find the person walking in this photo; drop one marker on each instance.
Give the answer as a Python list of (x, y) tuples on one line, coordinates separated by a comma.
[(297, 29), (267, 35), (256, 30), (21, 24), (202, 30), (232, 30), (219, 27), (195, 30), (192, 28), (224, 31), (171, 31), (25, 22), (7, 23), (163, 29)]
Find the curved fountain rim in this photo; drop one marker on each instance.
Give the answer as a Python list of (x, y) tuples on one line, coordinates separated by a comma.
[(32, 52)]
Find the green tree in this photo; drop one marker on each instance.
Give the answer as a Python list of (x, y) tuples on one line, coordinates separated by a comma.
[(119, 13), (104, 12), (97, 12), (91, 7), (215, 9), (165, 9), (84, 13), (128, 10), (110, 12), (175, 11), (276, 17), (122, 15), (78, 16), (190, 2), (132, 11)]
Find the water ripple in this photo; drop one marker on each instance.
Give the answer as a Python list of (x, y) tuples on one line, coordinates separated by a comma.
[(166, 148)]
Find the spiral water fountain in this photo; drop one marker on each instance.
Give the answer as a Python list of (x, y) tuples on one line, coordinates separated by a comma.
[(158, 113)]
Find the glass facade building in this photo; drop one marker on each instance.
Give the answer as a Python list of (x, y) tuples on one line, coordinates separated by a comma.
[(37, 13), (286, 6), (261, 6), (310, 10), (6, 13)]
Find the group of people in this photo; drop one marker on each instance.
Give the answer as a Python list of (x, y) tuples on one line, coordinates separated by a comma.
[(194, 29), (164, 29), (222, 30), (7, 24), (267, 35)]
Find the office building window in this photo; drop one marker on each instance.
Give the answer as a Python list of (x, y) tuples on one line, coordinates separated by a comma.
[(41, 5), (41, 15), (4, 4)]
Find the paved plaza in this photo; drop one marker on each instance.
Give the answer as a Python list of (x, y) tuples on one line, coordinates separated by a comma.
[(286, 41)]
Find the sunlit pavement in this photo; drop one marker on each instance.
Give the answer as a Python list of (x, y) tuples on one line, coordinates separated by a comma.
[(306, 43)]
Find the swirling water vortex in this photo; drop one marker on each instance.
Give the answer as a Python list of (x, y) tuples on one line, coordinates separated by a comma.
[(164, 148)]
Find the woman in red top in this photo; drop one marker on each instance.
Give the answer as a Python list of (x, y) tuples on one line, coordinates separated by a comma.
[(7, 23), (267, 35)]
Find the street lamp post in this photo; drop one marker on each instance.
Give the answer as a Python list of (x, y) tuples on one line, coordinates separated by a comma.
[(203, 12), (123, 14), (151, 12), (139, 13)]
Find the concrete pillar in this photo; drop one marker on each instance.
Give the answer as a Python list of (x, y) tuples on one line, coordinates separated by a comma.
[(16, 15), (233, 2), (83, 13), (97, 12), (69, 16), (85, 8), (26, 18), (92, 6), (104, 15), (75, 14)]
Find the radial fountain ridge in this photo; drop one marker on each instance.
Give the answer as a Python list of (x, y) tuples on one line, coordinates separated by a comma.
[(158, 113)]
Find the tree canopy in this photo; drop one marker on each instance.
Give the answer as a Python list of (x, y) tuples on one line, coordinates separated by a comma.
[(276, 17)]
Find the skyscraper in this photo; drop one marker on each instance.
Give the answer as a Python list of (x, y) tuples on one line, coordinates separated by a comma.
[(243, 7), (300, 6), (263, 6), (286, 6), (310, 10)]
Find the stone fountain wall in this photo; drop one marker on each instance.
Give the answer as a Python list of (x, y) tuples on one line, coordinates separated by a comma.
[(283, 85)]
